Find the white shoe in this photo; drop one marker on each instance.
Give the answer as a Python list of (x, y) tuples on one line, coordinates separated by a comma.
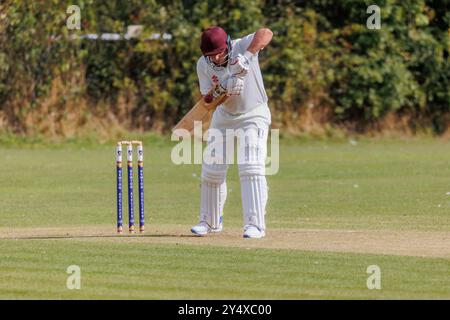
[(203, 229), (253, 232)]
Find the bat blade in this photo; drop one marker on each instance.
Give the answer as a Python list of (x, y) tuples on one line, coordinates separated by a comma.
[(199, 112)]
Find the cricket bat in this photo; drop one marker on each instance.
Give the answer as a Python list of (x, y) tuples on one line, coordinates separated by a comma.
[(199, 112)]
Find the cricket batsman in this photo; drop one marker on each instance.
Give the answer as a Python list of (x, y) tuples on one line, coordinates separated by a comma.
[(232, 67)]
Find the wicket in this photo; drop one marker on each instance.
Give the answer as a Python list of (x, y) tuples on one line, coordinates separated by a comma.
[(140, 155)]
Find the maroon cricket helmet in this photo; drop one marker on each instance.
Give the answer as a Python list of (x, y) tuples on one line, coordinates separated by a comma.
[(214, 41)]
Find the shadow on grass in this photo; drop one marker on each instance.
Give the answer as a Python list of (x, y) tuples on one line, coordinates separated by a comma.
[(101, 236)]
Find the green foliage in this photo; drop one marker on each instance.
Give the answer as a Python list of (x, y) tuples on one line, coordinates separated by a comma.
[(322, 56)]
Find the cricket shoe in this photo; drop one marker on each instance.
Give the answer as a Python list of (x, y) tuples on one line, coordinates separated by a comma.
[(253, 233), (202, 229)]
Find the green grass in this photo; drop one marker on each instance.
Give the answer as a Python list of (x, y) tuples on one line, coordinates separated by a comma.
[(371, 184), (31, 269)]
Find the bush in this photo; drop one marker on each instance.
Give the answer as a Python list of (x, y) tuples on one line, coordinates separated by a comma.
[(322, 60)]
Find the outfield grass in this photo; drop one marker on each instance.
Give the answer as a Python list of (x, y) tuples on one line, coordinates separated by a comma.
[(371, 185), (37, 269), (368, 184)]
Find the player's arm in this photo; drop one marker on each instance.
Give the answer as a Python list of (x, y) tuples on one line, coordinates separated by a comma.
[(260, 40), (204, 81), (209, 90), (240, 65)]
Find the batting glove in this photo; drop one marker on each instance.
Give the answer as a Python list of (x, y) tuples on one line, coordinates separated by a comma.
[(220, 89), (240, 65), (235, 85)]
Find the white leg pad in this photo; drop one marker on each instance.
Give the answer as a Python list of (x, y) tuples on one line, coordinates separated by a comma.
[(254, 200), (213, 195), (213, 198)]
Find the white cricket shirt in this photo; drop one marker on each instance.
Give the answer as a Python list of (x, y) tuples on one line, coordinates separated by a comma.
[(253, 93)]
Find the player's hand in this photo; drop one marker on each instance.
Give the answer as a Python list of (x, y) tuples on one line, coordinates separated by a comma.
[(220, 89), (232, 85), (239, 66)]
